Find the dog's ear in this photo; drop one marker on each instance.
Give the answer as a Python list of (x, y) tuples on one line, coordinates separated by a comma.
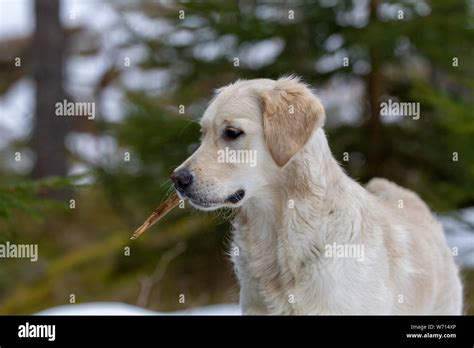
[(291, 113)]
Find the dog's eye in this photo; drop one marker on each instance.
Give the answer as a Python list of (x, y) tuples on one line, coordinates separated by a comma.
[(232, 133)]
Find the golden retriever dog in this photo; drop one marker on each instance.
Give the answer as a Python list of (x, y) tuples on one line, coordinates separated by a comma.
[(307, 239)]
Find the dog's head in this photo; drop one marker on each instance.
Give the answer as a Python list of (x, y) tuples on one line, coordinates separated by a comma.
[(250, 131)]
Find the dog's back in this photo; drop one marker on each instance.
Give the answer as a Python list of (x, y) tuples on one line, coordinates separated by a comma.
[(408, 202), (433, 255)]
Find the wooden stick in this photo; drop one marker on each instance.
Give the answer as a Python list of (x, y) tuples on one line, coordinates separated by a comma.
[(157, 214)]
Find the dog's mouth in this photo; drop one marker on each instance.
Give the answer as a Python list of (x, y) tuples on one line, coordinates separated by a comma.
[(236, 197), (199, 203), (212, 203)]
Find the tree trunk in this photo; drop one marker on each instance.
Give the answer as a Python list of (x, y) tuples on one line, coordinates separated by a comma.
[(46, 66)]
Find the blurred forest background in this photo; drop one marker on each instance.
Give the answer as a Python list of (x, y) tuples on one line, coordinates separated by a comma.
[(79, 187)]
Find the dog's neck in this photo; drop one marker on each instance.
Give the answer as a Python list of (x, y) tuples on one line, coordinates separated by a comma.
[(307, 203)]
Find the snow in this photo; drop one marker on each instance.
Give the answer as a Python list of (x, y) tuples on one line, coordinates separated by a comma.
[(118, 308), (16, 18), (262, 53), (16, 107), (459, 230)]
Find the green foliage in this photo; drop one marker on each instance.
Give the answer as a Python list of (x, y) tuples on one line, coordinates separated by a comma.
[(31, 195)]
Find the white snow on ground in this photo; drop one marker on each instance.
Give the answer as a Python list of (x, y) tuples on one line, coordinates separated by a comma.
[(459, 230), (118, 308)]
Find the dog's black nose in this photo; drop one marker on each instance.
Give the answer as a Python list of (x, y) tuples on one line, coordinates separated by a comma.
[(182, 178)]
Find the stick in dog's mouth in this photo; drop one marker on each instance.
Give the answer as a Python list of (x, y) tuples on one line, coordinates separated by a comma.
[(157, 214)]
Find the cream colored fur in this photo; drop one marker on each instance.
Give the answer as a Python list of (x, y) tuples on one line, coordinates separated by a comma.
[(298, 201)]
